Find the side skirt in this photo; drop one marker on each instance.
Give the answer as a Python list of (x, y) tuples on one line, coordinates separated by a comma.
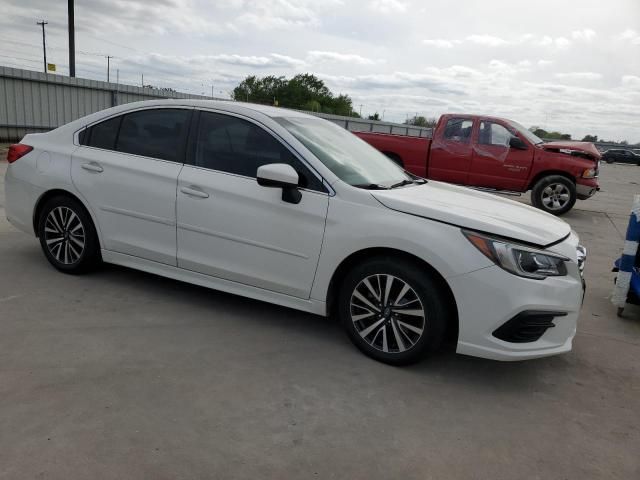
[(188, 276)]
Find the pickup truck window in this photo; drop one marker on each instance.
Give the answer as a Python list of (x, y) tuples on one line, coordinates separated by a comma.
[(494, 134), (528, 134), (458, 130), (352, 160)]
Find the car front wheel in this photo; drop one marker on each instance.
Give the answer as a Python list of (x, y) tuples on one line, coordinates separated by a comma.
[(392, 310)]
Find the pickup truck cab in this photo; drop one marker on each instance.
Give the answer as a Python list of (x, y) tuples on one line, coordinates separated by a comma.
[(493, 153)]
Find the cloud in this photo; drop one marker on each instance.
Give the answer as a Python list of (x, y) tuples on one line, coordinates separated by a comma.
[(561, 42), (438, 42), (488, 40), (579, 76), (352, 58), (274, 60), (525, 39), (395, 81), (585, 34), (631, 35), (389, 6), (631, 80)]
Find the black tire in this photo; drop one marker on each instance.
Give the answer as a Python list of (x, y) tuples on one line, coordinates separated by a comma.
[(609, 161), (63, 226), (544, 196), (424, 293)]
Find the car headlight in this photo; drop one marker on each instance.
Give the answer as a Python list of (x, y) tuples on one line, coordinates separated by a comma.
[(590, 173), (519, 259)]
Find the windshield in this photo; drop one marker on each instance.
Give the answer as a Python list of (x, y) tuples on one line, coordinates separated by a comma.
[(532, 137), (349, 158)]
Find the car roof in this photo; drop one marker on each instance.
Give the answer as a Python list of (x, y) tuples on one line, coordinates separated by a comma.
[(249, 109), (228, 105)]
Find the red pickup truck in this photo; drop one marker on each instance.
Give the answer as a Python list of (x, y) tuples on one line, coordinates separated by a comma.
[(497, 154)]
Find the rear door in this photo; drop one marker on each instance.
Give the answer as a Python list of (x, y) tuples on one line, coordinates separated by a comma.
[(127, 169), (495, 164), (450, 155), (230, 227)]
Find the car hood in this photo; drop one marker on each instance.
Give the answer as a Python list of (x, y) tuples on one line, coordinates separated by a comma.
[(569, 147), (476, 210)]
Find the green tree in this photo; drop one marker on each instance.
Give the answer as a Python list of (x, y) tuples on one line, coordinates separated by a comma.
[(542, 133), (375, 116), (420, 121), (304, 91), (590, 138)]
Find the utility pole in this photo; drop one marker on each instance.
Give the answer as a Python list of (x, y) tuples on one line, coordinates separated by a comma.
[(142, 80), (211, 91), (383, 114), (72, 39), (117, 75), (44, 44), (361, 110), (109, 57)]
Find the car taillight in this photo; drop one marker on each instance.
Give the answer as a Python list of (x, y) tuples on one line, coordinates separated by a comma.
[(17, 151)]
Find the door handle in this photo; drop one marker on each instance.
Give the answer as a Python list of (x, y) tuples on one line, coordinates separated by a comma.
[(194, 192), (92, 167)]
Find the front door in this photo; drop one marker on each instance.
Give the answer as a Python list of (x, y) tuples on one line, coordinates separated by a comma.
[(495, 164), (230, 227)]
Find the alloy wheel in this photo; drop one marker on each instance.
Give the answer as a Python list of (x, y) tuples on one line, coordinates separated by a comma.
[(555, 196), (387, 313), (64, 235)]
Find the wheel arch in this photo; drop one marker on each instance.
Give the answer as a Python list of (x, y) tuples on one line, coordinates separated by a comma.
[(451, 334), (56, 192), (547, 173)]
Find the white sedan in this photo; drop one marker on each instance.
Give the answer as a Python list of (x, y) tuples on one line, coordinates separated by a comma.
[(291, 209)]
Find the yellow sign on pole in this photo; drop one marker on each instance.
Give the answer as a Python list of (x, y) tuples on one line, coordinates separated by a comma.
[(51, 67)]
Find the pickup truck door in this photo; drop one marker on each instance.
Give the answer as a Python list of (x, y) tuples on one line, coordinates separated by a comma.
[(451, 151), (495, 164)]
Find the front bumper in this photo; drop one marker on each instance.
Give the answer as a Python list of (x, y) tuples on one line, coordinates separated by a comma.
[(490, 297), (586, 188)]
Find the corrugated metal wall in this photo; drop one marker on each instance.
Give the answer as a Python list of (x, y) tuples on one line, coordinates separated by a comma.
[(36, 102)]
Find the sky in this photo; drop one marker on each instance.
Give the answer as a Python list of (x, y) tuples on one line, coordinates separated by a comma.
[(567, 65)]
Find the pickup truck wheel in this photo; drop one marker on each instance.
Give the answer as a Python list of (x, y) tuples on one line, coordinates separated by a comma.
[(392, 310), (554, 194)]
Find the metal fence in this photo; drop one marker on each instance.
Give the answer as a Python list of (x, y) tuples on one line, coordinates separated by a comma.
[(37, 102)]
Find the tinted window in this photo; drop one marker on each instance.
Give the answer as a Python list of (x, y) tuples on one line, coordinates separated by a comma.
[(493, 134), (103, 134), (158, 133), (458, 130), (233, 145)]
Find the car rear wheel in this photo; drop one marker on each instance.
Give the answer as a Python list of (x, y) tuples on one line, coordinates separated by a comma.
[(392, 310), (554, 194), (67, 235)]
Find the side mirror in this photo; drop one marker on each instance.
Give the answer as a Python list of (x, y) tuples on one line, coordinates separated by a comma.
[(280, 175), (516, 142)]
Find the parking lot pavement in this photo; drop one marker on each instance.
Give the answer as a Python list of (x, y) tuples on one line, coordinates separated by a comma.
[(121, 374)]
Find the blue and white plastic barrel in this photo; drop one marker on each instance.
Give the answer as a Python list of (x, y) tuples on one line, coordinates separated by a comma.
[(628, 259)]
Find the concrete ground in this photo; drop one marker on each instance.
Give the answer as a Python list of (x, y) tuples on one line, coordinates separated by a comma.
[(121, 374)]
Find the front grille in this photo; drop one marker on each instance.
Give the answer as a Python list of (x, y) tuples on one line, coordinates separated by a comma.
[(527, 326)]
